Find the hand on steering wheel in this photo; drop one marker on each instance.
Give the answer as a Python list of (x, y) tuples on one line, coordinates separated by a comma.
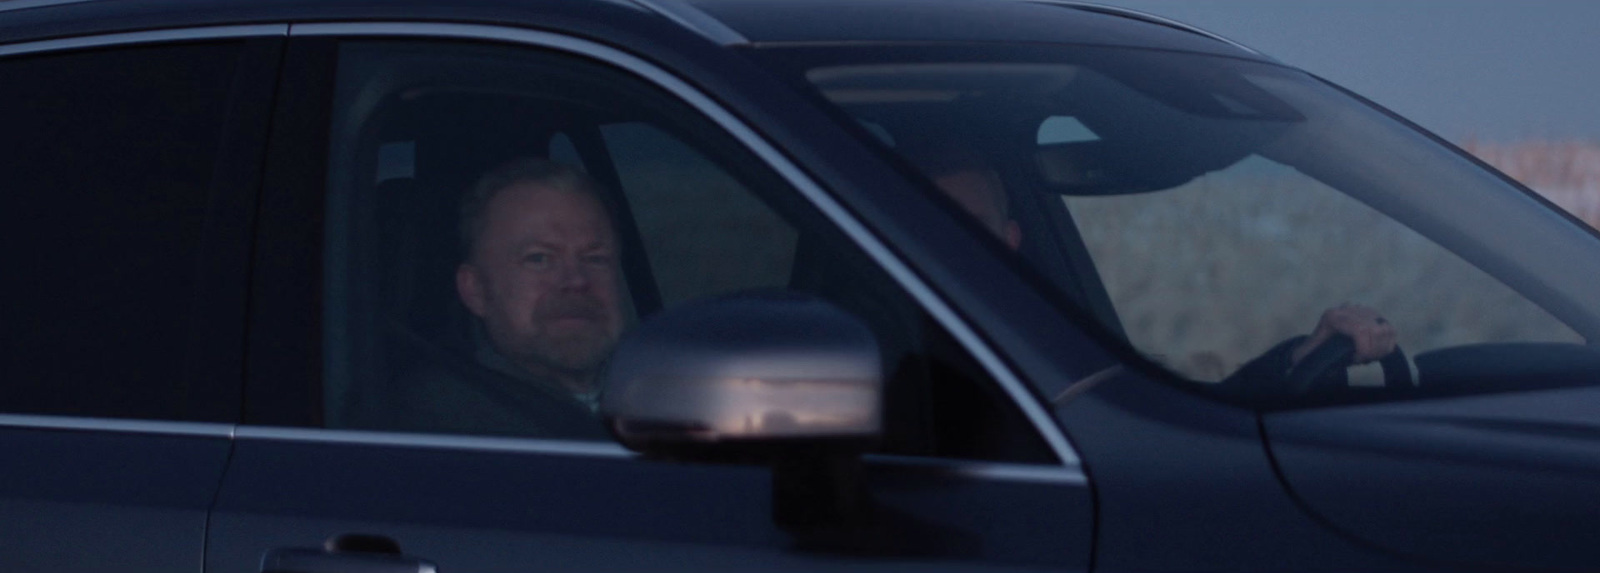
[(1337, 353), (1347, 335)]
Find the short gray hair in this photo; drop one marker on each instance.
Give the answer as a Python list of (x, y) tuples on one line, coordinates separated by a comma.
[(538, 171)]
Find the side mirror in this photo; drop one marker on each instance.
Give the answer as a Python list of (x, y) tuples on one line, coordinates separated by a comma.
[(748, 374)]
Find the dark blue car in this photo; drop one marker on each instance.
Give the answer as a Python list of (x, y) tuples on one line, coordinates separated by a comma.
[(910, 285)]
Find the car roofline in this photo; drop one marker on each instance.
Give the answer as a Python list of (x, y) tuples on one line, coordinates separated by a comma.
[(696, 20), (14, 5), (686, 14), (1147, 17)]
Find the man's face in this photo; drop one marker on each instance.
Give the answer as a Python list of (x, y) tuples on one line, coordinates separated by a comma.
[(543, 278)]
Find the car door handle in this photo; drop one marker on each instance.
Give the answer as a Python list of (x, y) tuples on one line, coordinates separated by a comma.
[(348, 553)]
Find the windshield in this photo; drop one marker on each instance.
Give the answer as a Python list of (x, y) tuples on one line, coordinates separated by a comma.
[(1228, 216)]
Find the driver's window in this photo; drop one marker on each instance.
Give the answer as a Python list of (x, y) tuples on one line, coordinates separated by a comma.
[(499, 220), (1211, 274)]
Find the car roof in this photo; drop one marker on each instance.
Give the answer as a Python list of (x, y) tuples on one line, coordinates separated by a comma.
[(1024, 21), (726, 22)]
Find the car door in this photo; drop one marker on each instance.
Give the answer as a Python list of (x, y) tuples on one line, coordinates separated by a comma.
[(384, 133), (130, 164)]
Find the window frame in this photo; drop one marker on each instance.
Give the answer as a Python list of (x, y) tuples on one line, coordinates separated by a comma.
[(306, 360)]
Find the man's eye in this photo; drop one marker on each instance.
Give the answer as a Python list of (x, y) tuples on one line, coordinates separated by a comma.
[(536, 258), (597, 259)]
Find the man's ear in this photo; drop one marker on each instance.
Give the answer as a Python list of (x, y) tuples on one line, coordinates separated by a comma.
[(470, 287), (1013, 235)]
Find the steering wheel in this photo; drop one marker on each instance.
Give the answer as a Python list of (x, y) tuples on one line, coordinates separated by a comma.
[(1336, 352)]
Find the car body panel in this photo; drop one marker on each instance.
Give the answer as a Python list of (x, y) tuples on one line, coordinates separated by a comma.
[(1176, 471), (1501, 480), (89, 498), (488, 504)]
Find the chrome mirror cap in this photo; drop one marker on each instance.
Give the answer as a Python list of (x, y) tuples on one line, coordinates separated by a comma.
[(749, 368)]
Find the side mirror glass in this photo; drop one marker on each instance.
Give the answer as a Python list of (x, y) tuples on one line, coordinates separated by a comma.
[(744, 371)]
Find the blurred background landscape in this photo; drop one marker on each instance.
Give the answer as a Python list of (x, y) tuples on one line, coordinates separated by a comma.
[(1565, 171), (1513, 82)]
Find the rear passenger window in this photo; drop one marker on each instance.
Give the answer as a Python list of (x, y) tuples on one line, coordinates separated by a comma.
[(551, 205), (109, 230)]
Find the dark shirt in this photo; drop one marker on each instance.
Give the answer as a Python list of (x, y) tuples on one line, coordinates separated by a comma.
[(489, 395), (1268, 375)]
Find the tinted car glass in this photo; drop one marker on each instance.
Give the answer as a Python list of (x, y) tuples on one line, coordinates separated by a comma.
[(691, 213), (109, 162), (1210, 210), (696, 251), (1236, 246)]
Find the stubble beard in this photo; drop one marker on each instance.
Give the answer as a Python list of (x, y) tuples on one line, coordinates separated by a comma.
[(571, 355), (574, 354)]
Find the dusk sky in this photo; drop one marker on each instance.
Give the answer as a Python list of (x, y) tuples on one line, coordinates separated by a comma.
[(1498, 70)]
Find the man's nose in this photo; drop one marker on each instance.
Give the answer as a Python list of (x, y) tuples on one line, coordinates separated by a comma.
[(572, 274)]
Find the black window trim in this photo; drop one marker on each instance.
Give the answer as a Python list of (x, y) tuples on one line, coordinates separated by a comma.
[(968, 469)]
